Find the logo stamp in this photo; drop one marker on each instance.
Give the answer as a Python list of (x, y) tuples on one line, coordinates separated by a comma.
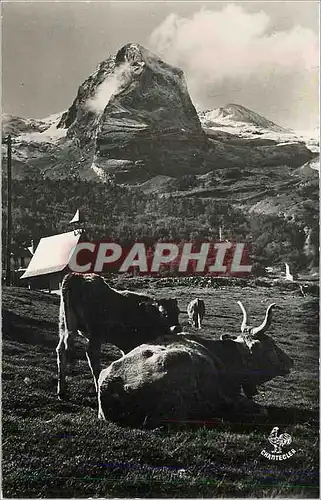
[(278, 441)]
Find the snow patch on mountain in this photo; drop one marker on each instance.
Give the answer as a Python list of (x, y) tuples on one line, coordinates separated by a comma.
[(52, 119), (313, 164), (311, 138), (16, 125), (101, 174), (50, 134), (247, 124), (233, 114)]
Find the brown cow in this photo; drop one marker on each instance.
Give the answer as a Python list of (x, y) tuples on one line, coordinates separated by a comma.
[(90, 307)]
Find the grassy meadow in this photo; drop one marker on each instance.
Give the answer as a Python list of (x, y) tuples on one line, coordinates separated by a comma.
[(53, 449)]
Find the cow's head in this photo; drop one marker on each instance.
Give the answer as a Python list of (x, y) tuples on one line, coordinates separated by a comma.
[(264, 360), (170, 311), (146, 324), (156, 318), (149, 314)]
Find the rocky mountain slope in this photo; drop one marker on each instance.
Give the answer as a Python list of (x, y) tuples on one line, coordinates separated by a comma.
[(135, 114), (16, 126)]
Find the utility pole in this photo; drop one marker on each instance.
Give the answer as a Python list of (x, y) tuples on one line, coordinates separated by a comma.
[(8, 142)]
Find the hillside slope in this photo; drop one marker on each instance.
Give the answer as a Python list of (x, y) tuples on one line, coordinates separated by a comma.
[(53, 449)]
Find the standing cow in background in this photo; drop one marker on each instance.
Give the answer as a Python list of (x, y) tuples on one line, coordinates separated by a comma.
[(196, 312)]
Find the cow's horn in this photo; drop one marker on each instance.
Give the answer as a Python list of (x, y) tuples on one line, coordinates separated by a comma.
[(266, 323), (244, 322)]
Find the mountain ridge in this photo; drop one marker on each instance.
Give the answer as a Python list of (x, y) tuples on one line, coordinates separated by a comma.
[(133, 119), (232, 112)]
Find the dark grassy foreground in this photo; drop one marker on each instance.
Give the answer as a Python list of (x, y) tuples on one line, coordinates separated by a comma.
[(59, 450)]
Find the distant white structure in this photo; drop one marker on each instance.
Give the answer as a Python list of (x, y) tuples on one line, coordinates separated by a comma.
[(78, 217), (77, 222), (50, 260), (288, 275)]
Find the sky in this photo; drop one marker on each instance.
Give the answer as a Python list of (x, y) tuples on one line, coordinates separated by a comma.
[(262, 55)]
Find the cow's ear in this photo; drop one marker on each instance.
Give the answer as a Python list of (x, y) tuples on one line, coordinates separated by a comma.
[(258, 336), (227, 336)]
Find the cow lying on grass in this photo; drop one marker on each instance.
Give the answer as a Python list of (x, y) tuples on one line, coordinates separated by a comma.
[(89, 306), (186, 377)]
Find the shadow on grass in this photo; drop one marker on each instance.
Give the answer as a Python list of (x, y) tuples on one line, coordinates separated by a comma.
[(28, 330), (292, 416), (276, 416)]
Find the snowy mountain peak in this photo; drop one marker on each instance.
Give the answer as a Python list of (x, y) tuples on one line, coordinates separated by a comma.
[(235, 115)]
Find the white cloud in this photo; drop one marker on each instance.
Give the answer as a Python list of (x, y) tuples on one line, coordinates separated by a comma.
[(111, 85), (224, 51)]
